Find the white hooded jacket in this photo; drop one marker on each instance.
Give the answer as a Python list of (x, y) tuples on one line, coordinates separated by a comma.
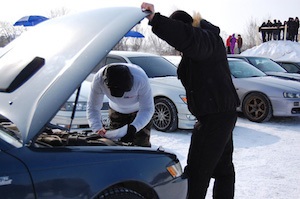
[(139, 99)]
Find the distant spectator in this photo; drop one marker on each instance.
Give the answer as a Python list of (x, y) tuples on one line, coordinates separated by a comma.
[(232, 43), (263, 32), (297, 29), (228, 40), (269, 32), (291, 25), (239, 43), (275, 31), (279, 24), (285, 34)]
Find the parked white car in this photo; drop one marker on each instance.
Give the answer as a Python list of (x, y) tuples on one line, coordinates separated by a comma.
[(171, 110), (263, 96)]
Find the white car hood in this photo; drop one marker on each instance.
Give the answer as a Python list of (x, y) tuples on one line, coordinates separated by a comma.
[(268, 82), (68, 48), (293, 76), (171, 81)]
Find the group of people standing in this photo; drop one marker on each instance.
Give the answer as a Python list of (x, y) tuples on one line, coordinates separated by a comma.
[(231, 41), (275, 31)]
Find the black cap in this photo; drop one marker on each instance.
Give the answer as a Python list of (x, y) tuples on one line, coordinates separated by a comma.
[(118, 79), (181, 15)]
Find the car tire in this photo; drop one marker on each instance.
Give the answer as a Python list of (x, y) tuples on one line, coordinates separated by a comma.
[(120, 193), (165, 115), (257, 107)]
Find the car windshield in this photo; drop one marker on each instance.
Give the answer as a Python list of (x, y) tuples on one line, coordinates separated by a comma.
[(266, 65), (241, 69), (155, 66)]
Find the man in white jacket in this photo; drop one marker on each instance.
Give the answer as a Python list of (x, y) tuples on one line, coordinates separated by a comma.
[(130, 99)]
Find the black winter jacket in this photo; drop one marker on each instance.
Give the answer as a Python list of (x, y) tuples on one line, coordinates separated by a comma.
[(203, 70)]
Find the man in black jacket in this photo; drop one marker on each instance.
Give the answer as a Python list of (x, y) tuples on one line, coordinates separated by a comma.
[(204, 72)]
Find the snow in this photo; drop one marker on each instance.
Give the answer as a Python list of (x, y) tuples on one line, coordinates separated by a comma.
[(266, 155), (276, 50)]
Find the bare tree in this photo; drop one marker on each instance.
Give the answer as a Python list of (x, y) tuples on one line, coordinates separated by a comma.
[(8, 32), (131, 43), (58, 12), (136, 43), (251, 37), (156, 45)]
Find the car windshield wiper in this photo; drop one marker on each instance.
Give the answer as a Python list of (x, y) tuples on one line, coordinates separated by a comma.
[(166, 76), (255, 76)]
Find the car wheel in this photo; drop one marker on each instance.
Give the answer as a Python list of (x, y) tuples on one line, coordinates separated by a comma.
[(165, 115), (120, 193), (257, 107)]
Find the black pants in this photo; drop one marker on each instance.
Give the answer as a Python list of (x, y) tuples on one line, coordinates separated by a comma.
[(228, 50), (210, 156), (117, 120)]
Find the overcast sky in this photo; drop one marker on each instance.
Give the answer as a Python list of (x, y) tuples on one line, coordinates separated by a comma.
[(232, 16)]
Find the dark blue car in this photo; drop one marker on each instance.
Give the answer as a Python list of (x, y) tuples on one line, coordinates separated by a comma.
[(39, 71)]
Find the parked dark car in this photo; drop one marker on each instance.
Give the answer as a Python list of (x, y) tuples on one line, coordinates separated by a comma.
[(263, 96), (39, 71), (290, 66), (267, 66)]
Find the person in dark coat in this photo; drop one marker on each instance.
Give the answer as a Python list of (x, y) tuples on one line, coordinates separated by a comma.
[(279, 25), (275, 31), (291, 26), (211, 98), (269, 31), (263, 31), (297, 28), (239, 43)]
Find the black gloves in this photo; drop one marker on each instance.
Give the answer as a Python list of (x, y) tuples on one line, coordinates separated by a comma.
[(129, 137)]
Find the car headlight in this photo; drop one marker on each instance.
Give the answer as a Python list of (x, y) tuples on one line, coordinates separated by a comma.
[(183, 98), (68, 106), (291, 95), (175, 170)]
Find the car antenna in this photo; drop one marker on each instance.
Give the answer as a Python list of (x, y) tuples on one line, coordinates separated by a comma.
[(74, 107)]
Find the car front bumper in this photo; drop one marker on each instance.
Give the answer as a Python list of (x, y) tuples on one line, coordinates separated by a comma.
[(178, 187), (286, 106)]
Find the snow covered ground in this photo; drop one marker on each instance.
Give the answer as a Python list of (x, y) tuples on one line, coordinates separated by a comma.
[(276, 50), (267, 155)]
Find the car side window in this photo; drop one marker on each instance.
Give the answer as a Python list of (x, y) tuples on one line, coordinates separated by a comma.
[(100, 65), (110, 60), (290, 67)]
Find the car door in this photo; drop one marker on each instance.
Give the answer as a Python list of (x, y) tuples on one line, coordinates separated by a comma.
[(15, 180)]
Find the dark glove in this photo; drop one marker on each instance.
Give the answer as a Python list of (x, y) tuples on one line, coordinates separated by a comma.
[(129, 137)]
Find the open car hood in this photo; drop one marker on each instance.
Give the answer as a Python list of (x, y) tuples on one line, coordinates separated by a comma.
[(43, 67)]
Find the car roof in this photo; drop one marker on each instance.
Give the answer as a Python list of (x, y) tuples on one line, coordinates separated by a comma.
[(132, 54), (233, 59), (244, 56)]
